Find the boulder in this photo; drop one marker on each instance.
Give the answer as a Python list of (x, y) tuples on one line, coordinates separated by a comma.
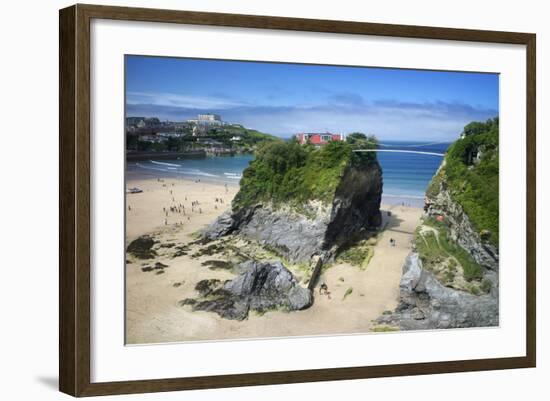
[(262, 286), (426, 304), (141, 247)]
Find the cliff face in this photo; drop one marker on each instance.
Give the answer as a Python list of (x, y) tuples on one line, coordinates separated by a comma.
[(441, 202), (356, 204), (315, 227)]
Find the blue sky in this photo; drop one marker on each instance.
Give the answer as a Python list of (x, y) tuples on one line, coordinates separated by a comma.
[(283, 99)]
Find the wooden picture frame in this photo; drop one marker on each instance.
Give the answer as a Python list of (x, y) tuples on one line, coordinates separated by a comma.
[(74, 202)]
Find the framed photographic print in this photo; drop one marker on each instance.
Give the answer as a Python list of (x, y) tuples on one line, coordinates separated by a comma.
[(250, 200)]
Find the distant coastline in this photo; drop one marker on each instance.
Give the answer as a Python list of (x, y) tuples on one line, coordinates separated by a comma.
[(191, 154)]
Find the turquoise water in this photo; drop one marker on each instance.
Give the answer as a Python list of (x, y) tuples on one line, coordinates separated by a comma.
[(405, 175)]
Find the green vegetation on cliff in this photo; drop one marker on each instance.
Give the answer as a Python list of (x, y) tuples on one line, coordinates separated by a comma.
[(287, 172), (438, 251), (471, 174)]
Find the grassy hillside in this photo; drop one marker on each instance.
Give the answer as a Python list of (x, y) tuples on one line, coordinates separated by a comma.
[(248, 141), (292, 173), (471, 174), (249, 137)]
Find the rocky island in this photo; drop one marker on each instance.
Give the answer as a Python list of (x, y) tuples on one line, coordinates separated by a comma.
[(302, 204)]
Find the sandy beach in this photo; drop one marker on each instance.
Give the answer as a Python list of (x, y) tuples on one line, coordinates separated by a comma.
[(152, 311)]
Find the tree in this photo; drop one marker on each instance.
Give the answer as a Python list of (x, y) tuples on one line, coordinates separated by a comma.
[(360, 141)]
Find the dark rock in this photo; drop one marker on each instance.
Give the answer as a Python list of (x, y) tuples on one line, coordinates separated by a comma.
[(426, 304), (187, 301), (356, 204), (228, 308), (157, 266), (223, 225), (181, 250), (217, 264), (205, 287), (209, 250), (263, 286), (141, 247)]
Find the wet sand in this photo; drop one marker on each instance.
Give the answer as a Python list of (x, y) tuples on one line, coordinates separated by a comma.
[(152, 310)]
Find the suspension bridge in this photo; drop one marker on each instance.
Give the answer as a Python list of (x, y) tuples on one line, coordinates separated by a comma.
[(387, 145), (418, 152)]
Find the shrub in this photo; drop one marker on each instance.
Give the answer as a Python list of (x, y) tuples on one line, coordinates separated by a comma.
[(347, 293)]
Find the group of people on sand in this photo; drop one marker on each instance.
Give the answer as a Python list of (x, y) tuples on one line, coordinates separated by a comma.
[(179, 208), (195, 206)]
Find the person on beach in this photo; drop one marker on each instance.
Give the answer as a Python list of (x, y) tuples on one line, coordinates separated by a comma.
[(323, 290)]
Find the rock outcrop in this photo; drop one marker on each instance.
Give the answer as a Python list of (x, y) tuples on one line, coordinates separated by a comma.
[(315, 228), (262, 286), (142, 247), (440, 202), (426, 304)]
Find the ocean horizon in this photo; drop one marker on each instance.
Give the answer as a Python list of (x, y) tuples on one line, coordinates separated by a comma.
[(405, 175)]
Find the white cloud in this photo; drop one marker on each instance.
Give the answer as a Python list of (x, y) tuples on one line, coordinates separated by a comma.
[(172, 99), (387, 119)]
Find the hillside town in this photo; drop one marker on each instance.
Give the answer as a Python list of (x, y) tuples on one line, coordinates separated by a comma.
[(207, 134)]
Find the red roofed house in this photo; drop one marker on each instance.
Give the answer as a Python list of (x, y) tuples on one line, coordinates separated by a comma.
[(318, 139)]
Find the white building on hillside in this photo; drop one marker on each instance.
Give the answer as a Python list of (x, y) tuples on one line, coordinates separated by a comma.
[(208, 119)]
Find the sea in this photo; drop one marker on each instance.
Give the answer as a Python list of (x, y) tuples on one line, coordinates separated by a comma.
[(406, 175)]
